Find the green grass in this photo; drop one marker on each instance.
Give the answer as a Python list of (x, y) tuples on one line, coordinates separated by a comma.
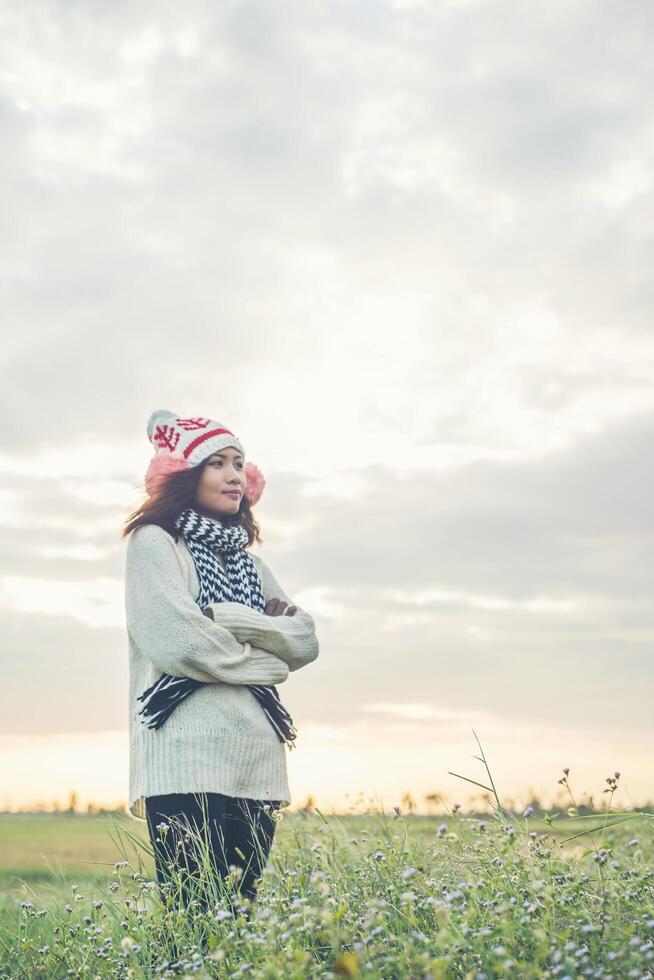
[(359, 895), (474, 896), (35, 847)]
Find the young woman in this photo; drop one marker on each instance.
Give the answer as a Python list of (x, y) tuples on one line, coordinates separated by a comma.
[(210, 634)]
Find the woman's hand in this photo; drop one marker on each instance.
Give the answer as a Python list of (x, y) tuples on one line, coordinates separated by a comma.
[(277, 607), (274, 607)]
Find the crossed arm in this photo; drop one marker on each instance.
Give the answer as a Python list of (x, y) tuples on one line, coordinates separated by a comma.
[(284, 629), (239, 646), (292, 638)]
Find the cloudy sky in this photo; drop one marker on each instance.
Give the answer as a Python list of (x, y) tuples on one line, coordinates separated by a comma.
[(403, 249)]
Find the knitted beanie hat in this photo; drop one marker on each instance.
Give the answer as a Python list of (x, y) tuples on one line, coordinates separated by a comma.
[(182, 443)]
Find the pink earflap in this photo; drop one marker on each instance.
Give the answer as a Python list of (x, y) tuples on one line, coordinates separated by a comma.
[(161, 466), (254, 483)]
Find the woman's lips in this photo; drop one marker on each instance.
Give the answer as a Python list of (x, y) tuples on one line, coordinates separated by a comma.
[(232, 493)]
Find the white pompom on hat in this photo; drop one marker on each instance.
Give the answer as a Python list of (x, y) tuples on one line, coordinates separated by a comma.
[(181, 443)]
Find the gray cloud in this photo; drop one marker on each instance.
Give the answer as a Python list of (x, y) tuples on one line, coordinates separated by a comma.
[(225, 201)]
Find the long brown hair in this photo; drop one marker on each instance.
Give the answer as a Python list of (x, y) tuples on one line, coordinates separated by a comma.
[(176, 494)]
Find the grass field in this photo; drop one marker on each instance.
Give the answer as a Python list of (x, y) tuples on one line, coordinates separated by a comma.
[(371, 895)]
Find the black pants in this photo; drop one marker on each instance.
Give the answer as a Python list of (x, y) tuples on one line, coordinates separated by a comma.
[(234, 831)]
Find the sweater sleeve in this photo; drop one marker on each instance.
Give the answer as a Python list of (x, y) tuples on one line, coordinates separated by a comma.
[(169, 627), (293, 638)]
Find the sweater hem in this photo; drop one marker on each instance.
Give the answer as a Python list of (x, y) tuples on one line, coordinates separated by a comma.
[(195, 762), (136, 807)]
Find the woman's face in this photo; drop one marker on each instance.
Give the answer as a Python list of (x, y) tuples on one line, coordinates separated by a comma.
[(222, 484)]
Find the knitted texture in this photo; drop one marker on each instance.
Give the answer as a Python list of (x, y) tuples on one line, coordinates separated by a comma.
[(236, 578), (191, 439), (219, 740)]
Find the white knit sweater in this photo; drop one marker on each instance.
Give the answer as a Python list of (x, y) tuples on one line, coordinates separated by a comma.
[(219, 739)]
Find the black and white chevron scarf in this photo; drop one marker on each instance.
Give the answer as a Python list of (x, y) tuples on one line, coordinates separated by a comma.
[(239, 582)]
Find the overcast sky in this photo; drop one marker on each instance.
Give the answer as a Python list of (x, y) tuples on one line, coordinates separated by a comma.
[(403, 250)]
